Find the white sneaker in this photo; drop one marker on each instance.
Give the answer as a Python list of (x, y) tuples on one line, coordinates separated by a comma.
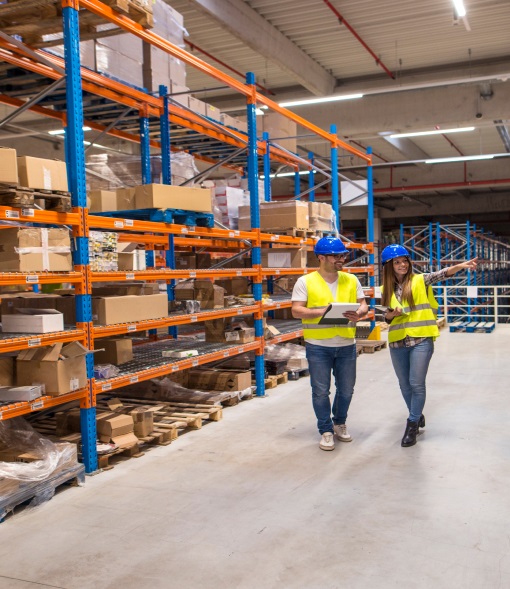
[(327, 441), (341, 433)]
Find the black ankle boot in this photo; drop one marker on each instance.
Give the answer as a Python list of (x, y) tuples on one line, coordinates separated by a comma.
[(421, 423), (410, 434)]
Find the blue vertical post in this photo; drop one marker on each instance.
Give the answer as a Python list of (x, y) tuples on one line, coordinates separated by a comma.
[(166, 178), (75, 156), (431, 248), (468, 256), (413, 246), (401, 234), (334, 180), (297, 185), (145, 149), (253, 186), (267, 169), (311, 179), (440, 299), (371, 260)]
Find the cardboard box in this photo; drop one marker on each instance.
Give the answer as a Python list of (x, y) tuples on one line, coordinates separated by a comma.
[(8, 166), (192, 261), (312, 261), (41, 174), (102, 201), (222, 331), (27, 393), (61, 368), (6, 371), (212, 112), (128, 309), (162, 196), (143, 419), (297, 364), (277, 215), (234, 286), (114, 424), (116, 351), (33, 321), (205, 292), (35, 249), (280, 257), (219, 380), (125, 199), (320, 215), (125, 288)]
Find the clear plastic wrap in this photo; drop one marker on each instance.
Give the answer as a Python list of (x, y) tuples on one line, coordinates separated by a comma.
[(294, 355), (168, 390), (105, 371), (19, 441)]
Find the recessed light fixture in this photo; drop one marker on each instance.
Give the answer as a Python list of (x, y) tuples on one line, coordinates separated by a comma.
[(434, 132), (460, 9)]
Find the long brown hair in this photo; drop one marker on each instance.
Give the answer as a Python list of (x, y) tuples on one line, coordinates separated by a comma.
[(389, 280)]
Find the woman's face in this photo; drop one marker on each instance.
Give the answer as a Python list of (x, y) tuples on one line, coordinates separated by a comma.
[(400, 267)]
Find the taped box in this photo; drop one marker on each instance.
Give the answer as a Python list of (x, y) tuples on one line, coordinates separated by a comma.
[(278, 215), (162, 196), (115, 351), (42, 174), (60, 368), (128, 309), (8, 166), (102, 201), (35, 249)]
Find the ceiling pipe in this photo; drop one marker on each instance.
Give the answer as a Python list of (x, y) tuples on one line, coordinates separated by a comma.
[(342, 21)]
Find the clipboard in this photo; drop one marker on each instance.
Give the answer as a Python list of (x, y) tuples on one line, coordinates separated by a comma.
[(333, 315)]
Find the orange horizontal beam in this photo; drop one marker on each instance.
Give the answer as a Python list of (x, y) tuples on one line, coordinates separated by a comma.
[(36, 216), (156, 371), (120, 329), (11, 278), (36, 341), (23, 408), (165, 274)]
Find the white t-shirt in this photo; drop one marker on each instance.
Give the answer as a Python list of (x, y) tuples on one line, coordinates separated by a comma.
[(300, 294)]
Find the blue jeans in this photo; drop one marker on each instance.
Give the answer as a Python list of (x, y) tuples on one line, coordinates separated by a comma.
[(321, 362), (411, 366)]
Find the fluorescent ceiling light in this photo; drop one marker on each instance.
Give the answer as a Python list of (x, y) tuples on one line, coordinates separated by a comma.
[(466, 158), (460, 9), (435, 132), (62, 131), (259, 112), (286, 174), (319, 100)]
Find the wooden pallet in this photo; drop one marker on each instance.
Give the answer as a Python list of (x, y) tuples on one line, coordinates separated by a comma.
[(297, 374), (104, 461), (54, 200), (137, 11), (33, 20), (29, 492), (273, 380), (292, 232), (16, 196), (371, 346)]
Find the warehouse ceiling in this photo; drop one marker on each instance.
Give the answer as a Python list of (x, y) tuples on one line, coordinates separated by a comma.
[(419, 66)]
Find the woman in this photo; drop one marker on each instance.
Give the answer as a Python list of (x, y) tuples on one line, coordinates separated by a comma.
[(411, 316)]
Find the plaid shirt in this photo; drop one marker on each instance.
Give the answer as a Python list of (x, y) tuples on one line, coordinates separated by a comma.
[(429, 279)]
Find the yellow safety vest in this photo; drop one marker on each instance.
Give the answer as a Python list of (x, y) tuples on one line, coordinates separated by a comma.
[(417, 322), (320, 295)]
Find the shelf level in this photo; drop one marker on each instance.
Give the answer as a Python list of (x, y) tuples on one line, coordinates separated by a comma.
[(23, 408), (14, 342)]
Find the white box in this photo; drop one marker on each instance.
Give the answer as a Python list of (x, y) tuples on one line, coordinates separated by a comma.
[(33, 321), (27, 393)]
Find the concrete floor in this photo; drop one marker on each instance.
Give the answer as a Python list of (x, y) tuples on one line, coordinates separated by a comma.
[(251, 502)]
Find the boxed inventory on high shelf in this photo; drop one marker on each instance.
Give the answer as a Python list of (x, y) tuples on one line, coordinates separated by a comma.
[(109, 303)]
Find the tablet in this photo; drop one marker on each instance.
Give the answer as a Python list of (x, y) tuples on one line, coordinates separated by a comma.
[(334, 314)]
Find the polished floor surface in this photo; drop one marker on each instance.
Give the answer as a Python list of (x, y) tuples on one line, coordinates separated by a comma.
[(251, 502)]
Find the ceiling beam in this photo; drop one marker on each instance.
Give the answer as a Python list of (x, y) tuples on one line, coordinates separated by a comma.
[(236, 17)]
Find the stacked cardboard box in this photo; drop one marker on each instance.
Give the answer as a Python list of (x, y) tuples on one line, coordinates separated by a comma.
[(277, 215), (208, 294), (42, 174), (284, 257), (35, 249), (320, 216), (128, 309), (224, 331), (162, 196), (60, 368), (219, 380)]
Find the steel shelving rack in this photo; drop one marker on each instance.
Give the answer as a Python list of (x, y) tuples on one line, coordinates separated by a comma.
[(80, 82)]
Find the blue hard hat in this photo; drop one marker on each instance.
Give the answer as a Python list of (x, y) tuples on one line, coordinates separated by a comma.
[(392, 251), (330, 246)]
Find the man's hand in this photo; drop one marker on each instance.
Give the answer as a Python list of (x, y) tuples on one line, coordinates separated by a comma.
[(353, 316)]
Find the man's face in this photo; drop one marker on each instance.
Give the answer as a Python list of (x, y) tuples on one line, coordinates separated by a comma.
[(333, 262)]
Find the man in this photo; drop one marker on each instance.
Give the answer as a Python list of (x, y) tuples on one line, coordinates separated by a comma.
[(329, 348)]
